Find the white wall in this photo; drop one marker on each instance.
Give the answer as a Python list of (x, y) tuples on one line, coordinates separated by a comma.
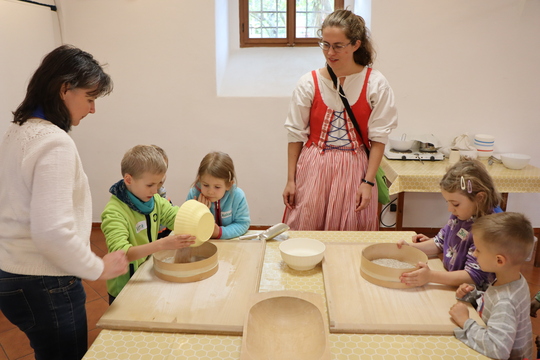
[(456, 66), (21, 49), (459, 67)]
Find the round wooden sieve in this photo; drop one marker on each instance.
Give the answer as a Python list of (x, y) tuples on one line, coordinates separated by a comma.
[(189, 271), (386, 276)]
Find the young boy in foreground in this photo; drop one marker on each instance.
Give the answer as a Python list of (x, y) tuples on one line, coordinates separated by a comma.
[(132, 216), (503, 241)]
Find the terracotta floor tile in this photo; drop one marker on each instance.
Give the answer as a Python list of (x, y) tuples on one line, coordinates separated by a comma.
[(99, 286), (27, 357), (15, 344), (98, 239), (91, 294), (531, 273), (94, 311), (3, 355), (5, 324), (98, 251), (92, 335)]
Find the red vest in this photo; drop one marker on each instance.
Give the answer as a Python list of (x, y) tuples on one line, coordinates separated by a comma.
[(321, 115)]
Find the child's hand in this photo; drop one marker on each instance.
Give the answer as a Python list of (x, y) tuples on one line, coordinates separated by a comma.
[(216, 232), (174, 242), (463, 290), (203, 199), (400, 243), (116, 264), (535, 306), (418, 277), (459, 313), (419, 238)]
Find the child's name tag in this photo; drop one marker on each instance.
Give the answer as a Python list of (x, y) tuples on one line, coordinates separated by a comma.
[(462, 234), (141, 225), (226, 214)]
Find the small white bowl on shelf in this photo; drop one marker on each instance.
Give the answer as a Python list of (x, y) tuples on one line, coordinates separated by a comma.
[(302, 253), (515, 161), (401, 145)]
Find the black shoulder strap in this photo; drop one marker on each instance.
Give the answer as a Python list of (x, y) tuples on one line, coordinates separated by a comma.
[(346, 104)]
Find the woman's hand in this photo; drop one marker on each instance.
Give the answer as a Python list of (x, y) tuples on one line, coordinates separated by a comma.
[(203, 199), (116, 264), (289, 194), (459, 313), (419, 238), (363, 196), (418, 277)]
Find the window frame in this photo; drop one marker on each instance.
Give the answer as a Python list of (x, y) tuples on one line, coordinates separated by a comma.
[(290, 40)]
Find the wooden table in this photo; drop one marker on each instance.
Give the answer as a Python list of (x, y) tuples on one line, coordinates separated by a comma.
[(276, 275)]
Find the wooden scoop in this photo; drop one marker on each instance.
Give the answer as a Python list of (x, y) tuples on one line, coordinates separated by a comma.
[(286, 325)]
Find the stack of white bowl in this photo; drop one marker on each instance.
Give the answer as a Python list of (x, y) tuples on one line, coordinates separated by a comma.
[(484, 144)]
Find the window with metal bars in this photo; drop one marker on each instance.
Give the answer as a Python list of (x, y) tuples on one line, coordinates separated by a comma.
[(283, 22)]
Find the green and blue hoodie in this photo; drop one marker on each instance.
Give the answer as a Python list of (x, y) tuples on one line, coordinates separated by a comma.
[(125, 225), (231, 213)]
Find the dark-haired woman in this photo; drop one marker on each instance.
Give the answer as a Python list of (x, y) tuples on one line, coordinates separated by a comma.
[(331, 181), (46, 209)]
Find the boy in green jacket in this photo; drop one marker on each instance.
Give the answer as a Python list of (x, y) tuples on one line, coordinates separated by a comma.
[(131, 219)]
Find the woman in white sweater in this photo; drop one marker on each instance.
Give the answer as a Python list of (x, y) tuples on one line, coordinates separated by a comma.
[(46, 208)]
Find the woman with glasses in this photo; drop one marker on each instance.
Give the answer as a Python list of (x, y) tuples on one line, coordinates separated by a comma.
[(331, 179)]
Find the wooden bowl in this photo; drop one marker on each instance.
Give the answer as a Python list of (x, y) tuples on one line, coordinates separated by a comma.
[(203, 264), (286, 325), (387, 276), (194, 218)]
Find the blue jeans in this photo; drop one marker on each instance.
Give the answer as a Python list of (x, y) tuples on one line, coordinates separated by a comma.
[(50, 310)]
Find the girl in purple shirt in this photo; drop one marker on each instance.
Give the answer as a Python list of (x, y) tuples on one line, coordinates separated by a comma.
[(470, 193)]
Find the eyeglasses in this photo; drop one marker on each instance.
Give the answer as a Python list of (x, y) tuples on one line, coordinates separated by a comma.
[(337, 47)]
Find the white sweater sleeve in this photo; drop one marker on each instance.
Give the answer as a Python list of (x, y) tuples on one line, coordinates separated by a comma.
[(60, 209)]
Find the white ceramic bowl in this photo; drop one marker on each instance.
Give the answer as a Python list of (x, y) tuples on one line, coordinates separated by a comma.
[(515, 161), (471, 154), (401, 145), (194, 218), (302, 253)]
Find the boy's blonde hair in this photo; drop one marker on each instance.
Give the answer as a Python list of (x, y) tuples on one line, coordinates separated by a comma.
[(143, 158), (510, 234), (219, 165), (470, 177), (163, 153)]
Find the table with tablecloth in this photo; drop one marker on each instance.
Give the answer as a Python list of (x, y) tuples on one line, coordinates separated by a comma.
[(140, 345)]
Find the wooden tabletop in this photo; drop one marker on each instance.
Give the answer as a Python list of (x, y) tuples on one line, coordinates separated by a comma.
[(276, 275)]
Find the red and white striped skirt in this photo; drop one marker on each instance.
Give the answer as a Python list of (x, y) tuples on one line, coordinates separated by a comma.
[(326, 187)]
